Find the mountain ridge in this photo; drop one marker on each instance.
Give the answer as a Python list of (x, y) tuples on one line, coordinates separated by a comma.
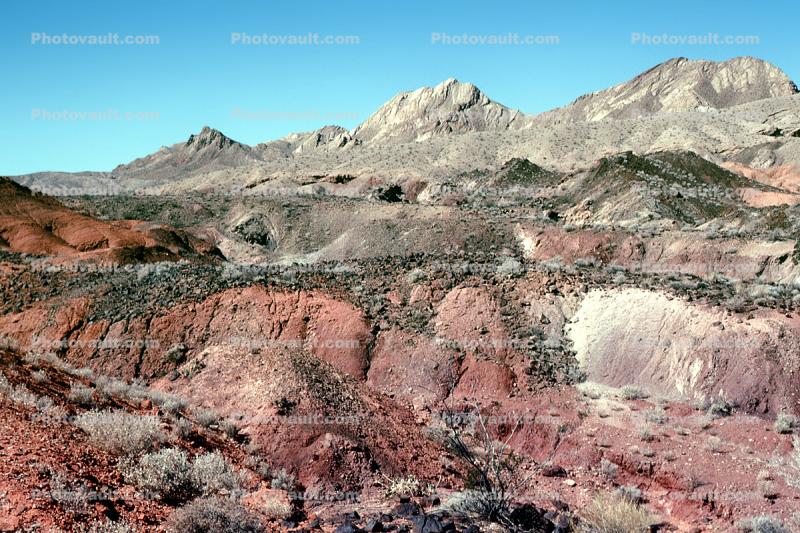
[(719, 118)]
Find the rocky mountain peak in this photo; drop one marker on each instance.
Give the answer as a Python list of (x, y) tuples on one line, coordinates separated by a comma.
[(681, 84), (210, 137), (449, 107)]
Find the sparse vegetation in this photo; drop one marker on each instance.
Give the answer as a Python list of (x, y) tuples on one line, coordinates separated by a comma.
[(220, 515), (276, 509), (632, 494), (655, 416), (166, 474), (206, 417), (104, 527), (762, 524), (120, 432), (181, 428), (493, 477), (786, 423), (720, 408), (403, 486), (631, 392), (81, 394), (283, 480), (608, 469), (614, 514), (213, 474), (645, 434)]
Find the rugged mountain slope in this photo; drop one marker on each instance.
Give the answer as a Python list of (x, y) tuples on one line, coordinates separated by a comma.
[(743, 111), (203, 152), (450, 107), (327, 137), (681, 84), (668, 186), (37, 224)]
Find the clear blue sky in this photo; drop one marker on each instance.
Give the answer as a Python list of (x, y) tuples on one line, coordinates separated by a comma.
[(195, 76)]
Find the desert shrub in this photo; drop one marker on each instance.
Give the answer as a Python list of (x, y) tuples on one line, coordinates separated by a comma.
[(632, 392), (609, 470), (656, 416), (206, 417), (166, 473), (403, 486), (613, 514), (54, 360), (173, 404), (120, 432), (230, 428), (214, 514), (720, 408), (259, 466), (213, 474), (786, 423), (275, 509), (112, 387), (181, 428), (50, 413), (283, 480), (21, 395), (493, 476), (762, 524), (473, 502), (81, 394), (104, 527), (645, 434), (176, 354), (40, 376), (86, 373), (714, 443), (632, 494)]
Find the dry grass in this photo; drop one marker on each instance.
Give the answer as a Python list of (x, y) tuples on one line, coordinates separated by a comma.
[(614, 514), (275, 509), (81, 394), (403, 486)]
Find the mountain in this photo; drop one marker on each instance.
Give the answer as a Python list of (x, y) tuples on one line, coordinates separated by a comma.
[(681, 84), (450, 107), (743, 111), (205, 151), (327, 137)]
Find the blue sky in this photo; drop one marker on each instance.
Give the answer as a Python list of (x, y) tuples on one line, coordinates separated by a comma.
[(195, 76)]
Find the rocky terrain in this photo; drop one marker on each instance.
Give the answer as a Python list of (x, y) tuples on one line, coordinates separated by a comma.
[(455, 317), (681, 84)]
